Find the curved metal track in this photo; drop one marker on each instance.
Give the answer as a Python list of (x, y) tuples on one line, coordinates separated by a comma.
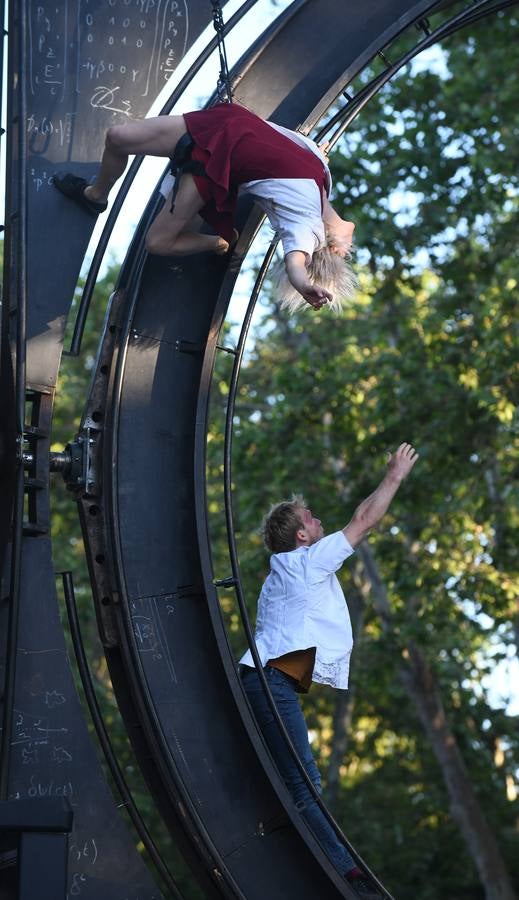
[(57, 116), (142, 498), (164, 608)]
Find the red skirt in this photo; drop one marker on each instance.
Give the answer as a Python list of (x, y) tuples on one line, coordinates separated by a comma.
[(237, 146)]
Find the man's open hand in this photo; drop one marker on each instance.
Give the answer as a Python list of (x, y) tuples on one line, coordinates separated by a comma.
[(402, 461)]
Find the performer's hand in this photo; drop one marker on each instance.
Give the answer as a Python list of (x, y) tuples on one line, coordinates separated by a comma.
[(339, 237), (402, 461), (373, 508), (295, 262), (316, 296)]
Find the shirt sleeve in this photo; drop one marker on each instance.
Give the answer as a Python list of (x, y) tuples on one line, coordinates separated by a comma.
[(327, 555), (298, 237)]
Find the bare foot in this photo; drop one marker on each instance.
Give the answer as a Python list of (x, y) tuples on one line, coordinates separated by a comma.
[(222, 246)]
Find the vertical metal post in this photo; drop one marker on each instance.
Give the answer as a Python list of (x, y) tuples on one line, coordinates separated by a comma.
[(17, 260), (3, 34)]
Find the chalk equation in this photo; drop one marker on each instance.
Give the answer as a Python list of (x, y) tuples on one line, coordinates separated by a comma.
[(97, 68), (85, 851), (37, 788), (40, 180), (154, 32), (54, 698), (34, 730), (108, 98), (77, 883), (48, 47), (150, 634), (71, 44), (41, 128), (146, 637)]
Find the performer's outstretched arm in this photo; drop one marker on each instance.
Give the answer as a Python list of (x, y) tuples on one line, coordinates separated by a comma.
[(295, 264), (370, 511)]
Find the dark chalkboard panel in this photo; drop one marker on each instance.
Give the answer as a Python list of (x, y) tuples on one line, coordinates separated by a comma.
[(91, 64), (51, 751), (95, 63)]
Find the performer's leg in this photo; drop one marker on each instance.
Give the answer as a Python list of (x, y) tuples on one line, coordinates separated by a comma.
[(290, 711), (155, 137), (177, 233)]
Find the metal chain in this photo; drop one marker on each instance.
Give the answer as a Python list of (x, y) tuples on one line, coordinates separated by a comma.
[(223, 85)]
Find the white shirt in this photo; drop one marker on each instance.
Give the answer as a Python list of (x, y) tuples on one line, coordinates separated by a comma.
[(302, 605), (293, 206)]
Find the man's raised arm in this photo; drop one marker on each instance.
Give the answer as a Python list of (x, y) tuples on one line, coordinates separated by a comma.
[(370, 511)]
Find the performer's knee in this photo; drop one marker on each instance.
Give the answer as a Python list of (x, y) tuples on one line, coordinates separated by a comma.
[(153, 242), (160, 243), (116, 139)]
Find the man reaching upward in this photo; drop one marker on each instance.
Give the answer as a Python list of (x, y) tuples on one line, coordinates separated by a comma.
[(303, 634)]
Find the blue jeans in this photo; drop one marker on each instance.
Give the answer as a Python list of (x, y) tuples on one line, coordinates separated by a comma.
[(289, 708)]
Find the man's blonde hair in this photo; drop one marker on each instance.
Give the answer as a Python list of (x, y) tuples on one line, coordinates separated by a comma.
[(281, 524)]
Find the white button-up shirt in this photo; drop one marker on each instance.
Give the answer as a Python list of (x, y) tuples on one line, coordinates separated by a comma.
[(301, 605)]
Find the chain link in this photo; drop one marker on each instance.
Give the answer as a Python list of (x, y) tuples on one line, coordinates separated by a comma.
[(223, 85)]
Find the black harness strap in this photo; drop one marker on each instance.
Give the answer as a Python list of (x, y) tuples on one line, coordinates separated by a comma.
[(181, 163), (223, 85)]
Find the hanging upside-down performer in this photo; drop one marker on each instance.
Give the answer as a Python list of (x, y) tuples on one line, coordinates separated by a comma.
[(303, 634), (218, 154)]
